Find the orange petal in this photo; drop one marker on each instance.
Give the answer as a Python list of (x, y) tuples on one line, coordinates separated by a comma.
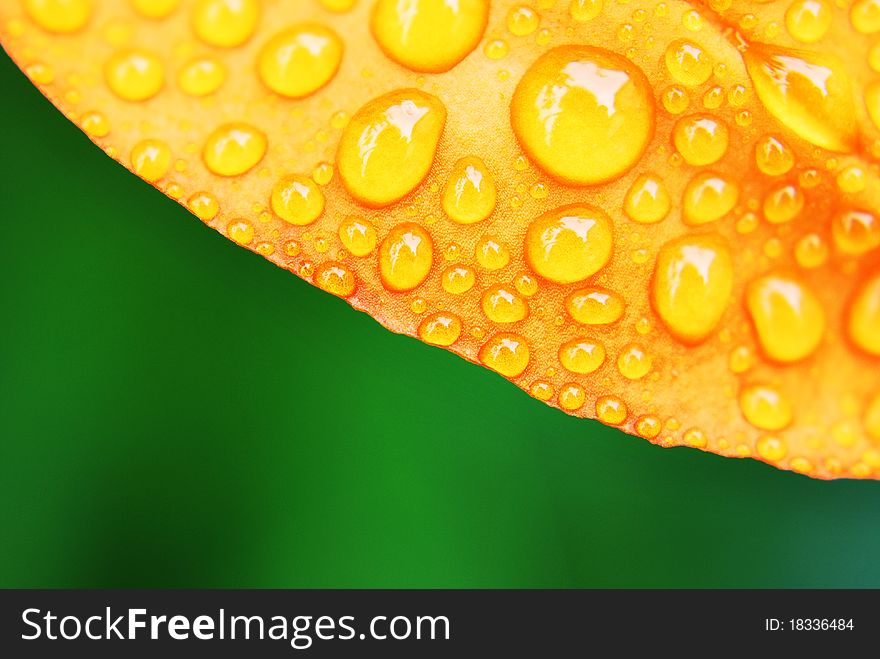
[(662, 215)]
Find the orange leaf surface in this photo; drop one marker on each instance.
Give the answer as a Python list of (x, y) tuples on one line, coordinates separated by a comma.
[(663, 215)]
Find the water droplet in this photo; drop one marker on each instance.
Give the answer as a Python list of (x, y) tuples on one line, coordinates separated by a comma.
[(526, 284), (440, 329), (204, 206), (151, 159), (771, 448), (542, 390), (581, 355), (572, 397), (292, 248), (388, 147), (323, 173), (201, 76), (647, 200), (648, 426), (59, 16), (852, 180), (783, 204), (772, 156), (695, 438), (801, 465), (405, 257), (40, 73), (496, 49), (539, 191), (788, 318), (709, 197), (737, 96), (845, 433), (611, 410), (225, 23), (357, 236), (808, 20), (95, 124), (428, 35), (583, 11), (692, 284), (808, 92), (855, 232), (595, 306), (297, 199), (773, 248), (863, 323), (713, 98), (134, 75), (503, 305), (865, 16), (701, 139), (688, 63), (765, 407), (470, 194), (569, 244), (458, 279), (506, 353), (634, 362), (233, 149), (741, 359), (300, 60), (335, 278), (491, 254), (809, 178), (322, 243), (522, 20), (811, 251), (675, 99), (584, 114), (241, 231)]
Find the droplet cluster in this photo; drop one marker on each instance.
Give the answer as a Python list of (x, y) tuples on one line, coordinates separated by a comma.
[(659, 214)]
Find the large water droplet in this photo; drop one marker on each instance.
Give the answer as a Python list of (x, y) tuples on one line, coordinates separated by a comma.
[(584, 114), (300, 60), (388, 147), (570, 243), (405, 257), (788, 318), (429, 35), (809, 92), (225, 23), (233, 149), (506, 353), (692, 283)]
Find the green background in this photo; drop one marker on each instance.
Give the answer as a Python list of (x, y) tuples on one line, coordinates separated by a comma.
[(176, 411)]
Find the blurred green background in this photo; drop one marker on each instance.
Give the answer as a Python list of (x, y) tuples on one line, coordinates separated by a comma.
[(177, 412)]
